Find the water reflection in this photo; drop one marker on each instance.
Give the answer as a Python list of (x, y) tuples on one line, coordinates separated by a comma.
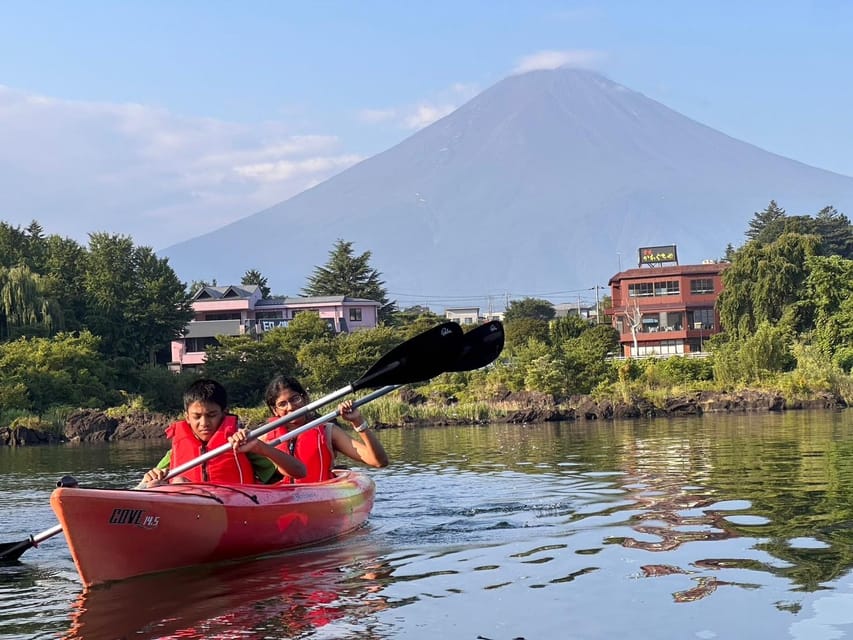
[(291, 595), (715, 527)]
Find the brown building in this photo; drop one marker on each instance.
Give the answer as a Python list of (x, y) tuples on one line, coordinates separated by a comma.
[(666, 310)]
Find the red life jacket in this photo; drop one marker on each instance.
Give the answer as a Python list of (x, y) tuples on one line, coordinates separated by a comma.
[(227, 467), (313, 448)]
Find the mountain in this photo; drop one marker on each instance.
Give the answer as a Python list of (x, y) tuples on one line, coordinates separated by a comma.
[(543, 185)]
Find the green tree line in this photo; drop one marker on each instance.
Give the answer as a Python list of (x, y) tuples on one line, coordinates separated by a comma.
[(79, 326)]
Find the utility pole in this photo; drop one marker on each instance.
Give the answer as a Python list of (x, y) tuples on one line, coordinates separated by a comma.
[(597, 307)]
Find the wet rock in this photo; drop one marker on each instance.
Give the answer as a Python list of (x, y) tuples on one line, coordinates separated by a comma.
[(25, 436), (89, 425), (412, 397), (142, 426)]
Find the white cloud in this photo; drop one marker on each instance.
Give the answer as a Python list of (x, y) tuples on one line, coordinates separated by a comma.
[(377, 115), (554, 59), (286, 169), (137, 170), (424, 113)]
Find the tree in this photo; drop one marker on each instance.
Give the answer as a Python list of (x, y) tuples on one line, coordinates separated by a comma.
[(634, 317), (828, 299), (245, 366), (836, 233), (764, 282), (195, 285), (64, 265), (25, 307), (13, 245), (566, 328), (766, 225), (134, 300), (63, 370), (529, 308), (346, 274), (253, 276)]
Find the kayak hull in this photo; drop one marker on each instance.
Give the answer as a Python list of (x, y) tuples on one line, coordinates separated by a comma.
[(115, 534)]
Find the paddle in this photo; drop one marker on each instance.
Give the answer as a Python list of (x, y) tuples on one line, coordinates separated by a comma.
[(419, 358), (480, 347)]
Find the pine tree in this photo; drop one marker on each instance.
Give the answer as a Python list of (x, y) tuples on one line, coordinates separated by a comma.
[(253, 276), (767, 225), (346, 274)]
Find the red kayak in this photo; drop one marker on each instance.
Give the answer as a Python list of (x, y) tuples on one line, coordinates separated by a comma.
[(119, 533)]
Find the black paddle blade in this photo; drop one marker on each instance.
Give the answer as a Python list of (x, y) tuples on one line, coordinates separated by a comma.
[(417, 359), (480, 346), (11, 551)]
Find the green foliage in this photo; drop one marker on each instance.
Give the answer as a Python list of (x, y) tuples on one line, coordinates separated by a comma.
[(567, 327), (766, 225), (585, 358), (253, 276), (410, 325), (244, 366), (522, 330), (135, 302), (346, 274), (680, 370), (827, 302), (529, 308), (763, 281), (251, 417), (162, 390), (511, 373), (64, 370), (844, 359), (303, 329), (755, 359), (357, 352), (26, 309), (814, 373)]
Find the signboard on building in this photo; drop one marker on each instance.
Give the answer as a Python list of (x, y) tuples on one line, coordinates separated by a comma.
[(658, 255)]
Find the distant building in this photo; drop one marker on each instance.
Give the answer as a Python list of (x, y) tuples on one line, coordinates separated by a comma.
[(670, 310), (564, 309), (463, 315), (239, 310)]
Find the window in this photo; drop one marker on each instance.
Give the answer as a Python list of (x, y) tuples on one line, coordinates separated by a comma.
[(234, 315), (194, 345), (701, 286), (355, 314), (667, 288), (640, 290), (701, 319), (651, 323), (263, 315)]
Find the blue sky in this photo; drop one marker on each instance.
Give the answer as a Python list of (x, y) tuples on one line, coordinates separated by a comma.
[(163, 120)]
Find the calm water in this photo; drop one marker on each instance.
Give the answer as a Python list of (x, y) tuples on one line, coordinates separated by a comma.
[(714, 527)]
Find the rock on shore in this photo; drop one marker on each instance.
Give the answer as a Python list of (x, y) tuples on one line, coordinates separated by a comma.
[(90, 425)]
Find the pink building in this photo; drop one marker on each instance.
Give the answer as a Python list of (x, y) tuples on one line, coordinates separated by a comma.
[(239, 310)]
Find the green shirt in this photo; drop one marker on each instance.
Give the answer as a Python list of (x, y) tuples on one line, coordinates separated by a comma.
[(265, 468)]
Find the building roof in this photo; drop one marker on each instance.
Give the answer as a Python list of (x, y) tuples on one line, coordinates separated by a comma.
[(277, 302), (231, 291), (646, 273)]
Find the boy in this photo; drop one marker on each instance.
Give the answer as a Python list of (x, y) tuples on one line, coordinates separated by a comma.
[(207, 425)]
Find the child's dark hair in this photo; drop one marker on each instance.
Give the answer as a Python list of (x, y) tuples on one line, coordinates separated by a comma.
[(206, 390), (279, 384)]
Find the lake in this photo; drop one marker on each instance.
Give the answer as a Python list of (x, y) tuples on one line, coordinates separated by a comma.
[(729, 526)]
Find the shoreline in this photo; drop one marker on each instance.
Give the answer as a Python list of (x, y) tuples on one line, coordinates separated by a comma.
[(90, 425)]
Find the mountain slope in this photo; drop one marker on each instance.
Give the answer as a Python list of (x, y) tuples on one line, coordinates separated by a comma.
[(543, 183)]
